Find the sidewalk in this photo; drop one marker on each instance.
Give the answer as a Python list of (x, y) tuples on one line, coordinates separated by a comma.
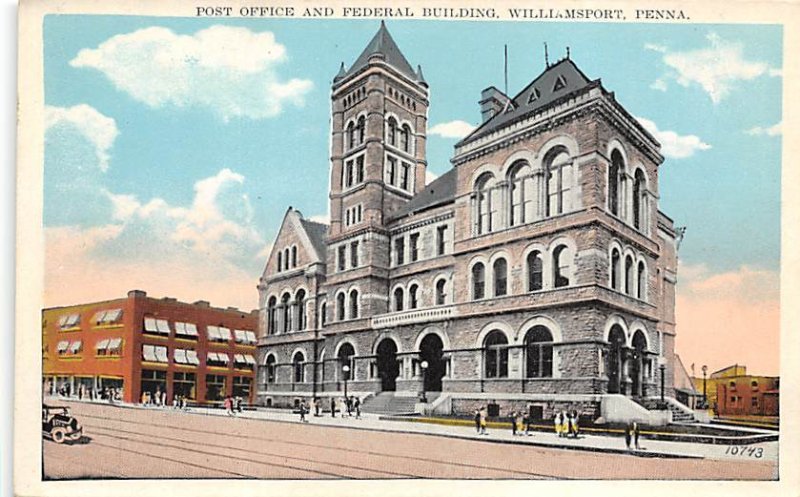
[(767, 451)]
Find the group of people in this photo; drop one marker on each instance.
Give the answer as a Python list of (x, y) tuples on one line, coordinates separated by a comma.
[(157, 398), (566, 424), (520, 423), (480, 421), (232, 405), (110, 394), (347, 406), (632, 435)]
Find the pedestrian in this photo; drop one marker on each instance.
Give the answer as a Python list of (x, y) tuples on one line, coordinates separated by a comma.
[(528, 418), (348, 402), (164, 398), (483, 421), (157, 399), (183, 402), (333, 407), (573, 424), (564, 424), (357, 406), (317, 407), (302, 411), (557, 423), (636, 435), (477, 421), (628, 433), (228, 404), (513, 417), (518, 421)]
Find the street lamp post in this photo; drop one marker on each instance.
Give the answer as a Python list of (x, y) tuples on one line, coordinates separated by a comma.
[(424, 366), (346, 371), (662, 365), (705, 395)]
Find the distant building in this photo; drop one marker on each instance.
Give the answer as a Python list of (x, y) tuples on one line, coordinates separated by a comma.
[(142, 344), (731, 391)]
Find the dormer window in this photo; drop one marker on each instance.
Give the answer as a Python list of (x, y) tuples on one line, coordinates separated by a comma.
[(561, 83), (534, 96)]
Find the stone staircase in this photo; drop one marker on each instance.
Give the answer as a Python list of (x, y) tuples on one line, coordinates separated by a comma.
[(387, 403), (678, 415)]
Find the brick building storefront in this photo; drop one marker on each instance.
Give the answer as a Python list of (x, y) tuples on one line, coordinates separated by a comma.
[(141, 344), (537, 270), (731, 391)]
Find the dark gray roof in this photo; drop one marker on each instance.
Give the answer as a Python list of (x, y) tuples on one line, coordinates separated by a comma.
[(441, 191), (382, 43), (317, 232), (572, 80)]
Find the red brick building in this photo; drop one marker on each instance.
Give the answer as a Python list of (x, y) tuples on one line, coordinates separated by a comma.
[(143, 345), (747, 395)]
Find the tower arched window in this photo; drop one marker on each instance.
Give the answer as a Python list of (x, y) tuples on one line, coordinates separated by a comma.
[(270, 366), (391, 132), (353, 304), (615, 269), (298, 363), (500, 270), (478, 281), (340, 306), (562, 266), (272, 324), (405, 138), (351, 135), (535, 271), (615, 170), (286, 258), (495, 350), (280, 261), (441, 295), (639, 200), (641, 276), (287, 312), (398, 299), (558, 167), (523, 192), (294, 256), (629, 275), (413, 292), (300, 302), (487, 201), (323, 314), (539, 352), (360, 129)]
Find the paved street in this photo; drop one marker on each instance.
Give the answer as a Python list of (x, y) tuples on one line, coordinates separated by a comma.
[(153, 443)]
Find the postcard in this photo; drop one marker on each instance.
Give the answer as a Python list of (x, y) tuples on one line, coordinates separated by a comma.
[(309, 248)]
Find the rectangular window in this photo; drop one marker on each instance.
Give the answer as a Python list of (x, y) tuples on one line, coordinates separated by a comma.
[(354, 254), (413, 249), (179, 356), (342, 257), (69, 321), (441, 237), (359, 214), (154, 353), (107, 317), (349, 174), (241, 387), (242, 361), (156, 326), (186, 330), (184, 385), (391, 170), (405, 173), (215, 387), (218, 333), (217, 359), (244, 337), (754, 402), (109, 347), (360, 169), (399, 250)]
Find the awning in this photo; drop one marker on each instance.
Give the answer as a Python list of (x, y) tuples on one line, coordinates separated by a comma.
[(102, 344), (251, 336), (239, 359), (213, 332), (250, 359), (62, 345), (163, 326), (150, 325), (222, 357), (180, 356), (112, 315), (75, 346), (224, 333), (161, 354), (114, 343), (149, 353), (191, 357), (186, 329), (211, 357), (240, 335)]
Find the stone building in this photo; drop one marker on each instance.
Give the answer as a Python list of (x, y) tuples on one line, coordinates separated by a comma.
[(538, 272)]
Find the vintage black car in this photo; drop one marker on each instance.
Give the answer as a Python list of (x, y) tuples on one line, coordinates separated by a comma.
[(59, 425)]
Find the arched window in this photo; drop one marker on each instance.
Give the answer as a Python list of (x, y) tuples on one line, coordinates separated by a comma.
[(441, 296), (280, 261), (539, 352), (495, 349), (286, 258), (629, 275), (353, 303), (562, 266), (641, 280), (391, 132), (500, 269), (615, 170), (405, 138), (558, 166), (351, 135), (300, 302), (340, 307), (412, 296), (522, 194), (294, 256), (323, 314), (272, 324), (398, 299), (298, 364), (270, 363), (615, 263), (478, 281), (361, 128), (535, 271), (487, 201), (639, 200), (287, 314), (345, 357)]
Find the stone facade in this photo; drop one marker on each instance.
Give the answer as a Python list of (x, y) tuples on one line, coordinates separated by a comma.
[(539, 265)]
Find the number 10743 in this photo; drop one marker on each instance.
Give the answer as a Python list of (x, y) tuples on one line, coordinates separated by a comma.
[(734, 450)]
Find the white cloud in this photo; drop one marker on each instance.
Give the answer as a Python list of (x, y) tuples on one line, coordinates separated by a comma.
[(321, 218), (452, 129), (229, 70), (673, 145), (99, 129), (774, 130), (716, 69), (655, 47), (659, 85), (430, 177)]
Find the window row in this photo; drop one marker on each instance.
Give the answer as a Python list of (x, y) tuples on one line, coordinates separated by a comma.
[(399, 136), (104, 347), (399, 173), (287, 314), (525, 195), (347, 305), (410, 297), (287, 258), (353, 215), (347, 256), (355, 96), (402, 98), (543, 270), (537, 354), (189, 357), (627, 272), (628, 194), (100, 318), (415, 250), (156, 326), (353, 172)]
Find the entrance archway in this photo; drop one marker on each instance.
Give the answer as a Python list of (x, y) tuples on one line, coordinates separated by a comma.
[(388, 368), (430, 350), (345, 358), (616, 360), (637, 364)]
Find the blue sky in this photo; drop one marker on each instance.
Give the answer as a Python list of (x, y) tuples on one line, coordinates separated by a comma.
[(713, 90)]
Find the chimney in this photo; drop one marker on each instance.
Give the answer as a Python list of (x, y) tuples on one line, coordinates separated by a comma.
[(133, 294), (202, 303), (492, 102)]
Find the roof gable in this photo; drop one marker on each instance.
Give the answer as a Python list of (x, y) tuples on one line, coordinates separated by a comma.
[(383, 44), (307, 236)]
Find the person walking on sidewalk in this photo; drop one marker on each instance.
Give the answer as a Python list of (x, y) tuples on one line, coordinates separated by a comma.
[(557, 423), (303, 411), (333, 407), (564, 424), (357, 406), (477, 417), (573, 423), (528, 424), (483, 421), (513, 417), (628, 434), (518, 419), (636, 435)]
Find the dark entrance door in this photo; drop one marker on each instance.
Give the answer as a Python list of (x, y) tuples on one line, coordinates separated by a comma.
[(430, 350), (388, 368), (637, 364), (616, 359)]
